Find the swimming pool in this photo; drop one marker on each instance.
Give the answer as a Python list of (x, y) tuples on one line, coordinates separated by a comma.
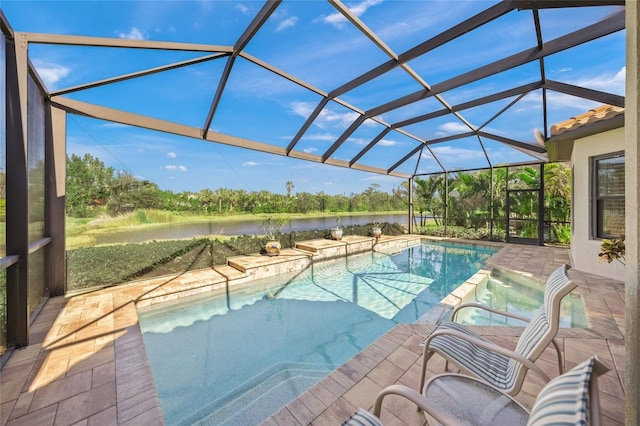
[(519, 295), (238, 356)]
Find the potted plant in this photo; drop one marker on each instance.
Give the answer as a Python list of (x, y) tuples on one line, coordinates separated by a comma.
[(376, 230), (611, 250), (272, 231), (336, 231)]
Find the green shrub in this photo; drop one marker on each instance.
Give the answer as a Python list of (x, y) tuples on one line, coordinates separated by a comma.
[(562, 233), (141, 216), (483, 234), (111, 265)]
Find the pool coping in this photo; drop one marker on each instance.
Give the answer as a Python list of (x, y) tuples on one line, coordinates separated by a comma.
[(241, 270), (87, 362), (306, 253), (395, 358)]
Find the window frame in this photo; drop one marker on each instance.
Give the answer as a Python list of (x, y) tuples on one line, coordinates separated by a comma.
[(597, 231)]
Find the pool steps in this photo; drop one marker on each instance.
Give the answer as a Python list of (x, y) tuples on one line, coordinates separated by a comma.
[(244, 269), (478, 285), (461, 294), (254, 401)]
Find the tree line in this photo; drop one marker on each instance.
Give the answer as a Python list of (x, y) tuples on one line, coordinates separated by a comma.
[(92, 188), (469, 199), (474, 199)]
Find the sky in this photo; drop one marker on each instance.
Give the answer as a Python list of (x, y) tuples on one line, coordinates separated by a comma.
[(310, 41)]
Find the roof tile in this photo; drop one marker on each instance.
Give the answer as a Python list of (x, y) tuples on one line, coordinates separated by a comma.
[(594, 115)]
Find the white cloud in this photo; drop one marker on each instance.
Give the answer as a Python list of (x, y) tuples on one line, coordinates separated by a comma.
[(360, 8), (335, 19), (613, 82), (310, 150), (379, 178), (387, 142), (50, 73), (171, 155), (426, 154), (358, 141), (325, 137), (338, 20), (287, 23), (327, 117), (114, 126), (452, 127), (173, 168), (558, 101), (303, 109), (449, 153), (607, 83), (420, 18), (243, 8), (133, 34), (250, 164), (340, 120)]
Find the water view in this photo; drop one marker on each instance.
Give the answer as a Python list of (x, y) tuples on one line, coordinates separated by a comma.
[(238, 356), (170, 231)]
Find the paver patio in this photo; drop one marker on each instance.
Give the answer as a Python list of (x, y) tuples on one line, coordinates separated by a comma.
[(87, 364)]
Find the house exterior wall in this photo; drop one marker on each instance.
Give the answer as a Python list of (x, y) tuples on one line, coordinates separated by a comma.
[(585, 249)]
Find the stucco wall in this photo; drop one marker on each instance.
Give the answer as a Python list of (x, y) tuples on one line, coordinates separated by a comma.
[(584, 250)]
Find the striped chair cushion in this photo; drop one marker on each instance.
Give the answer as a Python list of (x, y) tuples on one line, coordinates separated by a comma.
[(498, 370), (362, 418), (546, 321), (558, 285), (564, 400), (487, 365), (536, 336)]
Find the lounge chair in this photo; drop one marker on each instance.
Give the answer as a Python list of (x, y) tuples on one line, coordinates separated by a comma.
[(500, 367), (454, 399)]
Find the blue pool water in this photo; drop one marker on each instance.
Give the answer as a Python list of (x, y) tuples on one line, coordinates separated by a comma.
[(237, 357), (521, 296)]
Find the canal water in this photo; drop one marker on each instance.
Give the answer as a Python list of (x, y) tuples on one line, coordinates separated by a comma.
[(235, 227)]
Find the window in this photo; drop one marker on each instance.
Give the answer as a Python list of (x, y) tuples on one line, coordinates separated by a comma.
[(609, 196)]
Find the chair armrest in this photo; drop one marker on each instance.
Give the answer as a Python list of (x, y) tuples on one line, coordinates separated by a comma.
[(490, 346), (417, 398), (487, 308)]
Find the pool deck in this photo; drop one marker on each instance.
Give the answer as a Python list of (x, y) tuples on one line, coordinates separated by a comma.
[(86, 364)]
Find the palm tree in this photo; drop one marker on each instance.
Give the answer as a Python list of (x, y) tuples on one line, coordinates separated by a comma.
[(557, 183), (499, 197), (557, 198), (474, 189), (426, 190), (525, 178)]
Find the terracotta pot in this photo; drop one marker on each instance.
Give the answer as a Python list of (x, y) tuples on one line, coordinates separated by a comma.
[(272, 247)]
